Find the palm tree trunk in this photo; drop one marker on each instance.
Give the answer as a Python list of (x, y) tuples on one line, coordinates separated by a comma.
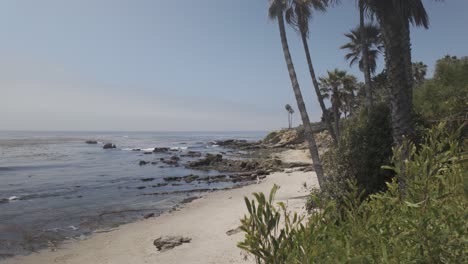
[(336, 111), (365, 59), (300, 103), (395, 32), (325, 113)]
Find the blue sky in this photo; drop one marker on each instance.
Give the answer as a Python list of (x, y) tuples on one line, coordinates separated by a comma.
[(174, 65)]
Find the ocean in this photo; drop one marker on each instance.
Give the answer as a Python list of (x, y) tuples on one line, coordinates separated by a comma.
[(54, 186)]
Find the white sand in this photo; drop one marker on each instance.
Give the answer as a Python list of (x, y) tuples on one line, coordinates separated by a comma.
[(205, 220)]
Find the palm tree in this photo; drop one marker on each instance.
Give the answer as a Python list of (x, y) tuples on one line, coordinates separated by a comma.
[(332, 88), (276, 11), (298, 15), (365, 57), (290, 113), (419, 71), (355, 50), (350, 86), (395, 17)]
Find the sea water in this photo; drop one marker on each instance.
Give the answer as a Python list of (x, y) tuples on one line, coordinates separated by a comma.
[(54, 186)]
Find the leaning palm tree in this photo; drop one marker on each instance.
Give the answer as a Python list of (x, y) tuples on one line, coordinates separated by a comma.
[(355, 50), (290, 113), (276, 11), (395, 17), (298, 15)]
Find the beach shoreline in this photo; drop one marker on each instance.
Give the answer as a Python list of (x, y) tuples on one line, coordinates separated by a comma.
[(210, 222)]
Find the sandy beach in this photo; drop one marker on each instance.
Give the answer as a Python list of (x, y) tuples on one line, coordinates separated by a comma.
[(206, 221)]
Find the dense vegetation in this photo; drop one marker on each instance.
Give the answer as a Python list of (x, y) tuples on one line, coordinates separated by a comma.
[(393, 186), (426, 225), (446, 94)]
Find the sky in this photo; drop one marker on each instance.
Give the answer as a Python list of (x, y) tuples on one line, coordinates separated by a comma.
[(179, 65)]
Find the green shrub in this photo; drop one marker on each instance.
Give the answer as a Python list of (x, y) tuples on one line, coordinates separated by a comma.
[(428, 225), (365, 145), (264, 239), (445, 95)]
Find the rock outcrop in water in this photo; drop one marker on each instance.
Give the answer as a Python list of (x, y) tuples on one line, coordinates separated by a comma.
[(109, 146), (91, 142), (160, 150)]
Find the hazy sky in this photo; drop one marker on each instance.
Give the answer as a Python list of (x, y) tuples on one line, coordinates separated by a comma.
[(174, 65)]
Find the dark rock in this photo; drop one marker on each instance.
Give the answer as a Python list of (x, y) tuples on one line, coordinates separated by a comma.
[(171, 162), (190, 178), (146, 179), (160, 150), (172, 178), (142, 162), (233, 231), (189, 199), (137, 149), (149, 215), (170, 242), (192, 154), (175, 158), (209, 159), (298, 164), (160, 185), (141, 187), (91, 142), (146, 153), (109, 146)]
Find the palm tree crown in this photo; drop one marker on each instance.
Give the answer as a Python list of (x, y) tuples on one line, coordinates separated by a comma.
[(355, 46)]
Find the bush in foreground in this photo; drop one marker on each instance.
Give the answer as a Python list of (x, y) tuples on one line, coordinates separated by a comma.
[(428, 225)]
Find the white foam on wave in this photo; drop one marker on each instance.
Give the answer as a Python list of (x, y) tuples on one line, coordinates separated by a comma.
[(127, 149), (147, 149), (13, 198), (179, 148)]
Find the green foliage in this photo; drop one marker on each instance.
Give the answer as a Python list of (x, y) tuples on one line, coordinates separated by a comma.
[(427, 225), (365, 145), (264, 239), (446, 95)]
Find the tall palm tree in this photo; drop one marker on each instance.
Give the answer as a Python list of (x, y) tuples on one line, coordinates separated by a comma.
[(355, 50), (276, 11), (395, 17), (290, 113), (365, 57), (298, 15), (332, 87)]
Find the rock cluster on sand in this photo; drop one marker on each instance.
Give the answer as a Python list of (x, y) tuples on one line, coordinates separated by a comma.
[(170, 242)]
